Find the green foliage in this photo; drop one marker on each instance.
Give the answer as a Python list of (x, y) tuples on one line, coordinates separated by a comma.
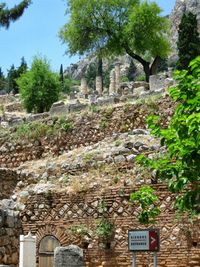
[(104, 228), (117, 27), (90, 75), (124, 79), (61, 74), (39, 87), (64, 124), (68, 85), (146, 30), (32, 130), (180, 165), (13, 74), (79, 230), (11, 80), (9, 15), (2, 80), (94, 108), (147, 201), (140, 78), (188, 41)]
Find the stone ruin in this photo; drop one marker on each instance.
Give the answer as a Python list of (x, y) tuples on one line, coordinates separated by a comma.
[(13, 113)]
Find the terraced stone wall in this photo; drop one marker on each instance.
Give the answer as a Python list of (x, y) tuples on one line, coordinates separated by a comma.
[(87, 130), (55, 214)]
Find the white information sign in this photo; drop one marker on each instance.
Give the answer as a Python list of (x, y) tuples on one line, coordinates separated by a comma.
[(143, 240), (138, 240)]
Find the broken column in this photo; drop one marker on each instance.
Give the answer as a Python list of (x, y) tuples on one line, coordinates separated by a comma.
[(27, 256), (70, 256), (117, 77), (84, 87), (112, 82), (99, 85)]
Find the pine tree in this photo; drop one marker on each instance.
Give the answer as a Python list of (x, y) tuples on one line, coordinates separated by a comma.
[(8, 15), (23, 67), (11, 80), (188, 41)]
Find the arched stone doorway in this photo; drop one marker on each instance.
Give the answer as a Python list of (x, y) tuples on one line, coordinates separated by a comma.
[(46, 250)]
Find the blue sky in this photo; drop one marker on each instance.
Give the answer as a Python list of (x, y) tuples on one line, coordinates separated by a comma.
[(36, 33)]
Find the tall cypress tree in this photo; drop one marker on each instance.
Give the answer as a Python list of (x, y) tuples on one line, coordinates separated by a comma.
[(8, 15), (188, 41), (61, 74)]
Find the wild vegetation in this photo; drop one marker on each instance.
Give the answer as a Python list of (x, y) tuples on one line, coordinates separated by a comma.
[(179, 166)]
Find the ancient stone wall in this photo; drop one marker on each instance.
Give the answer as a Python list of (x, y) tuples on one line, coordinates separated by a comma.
[(57, 213), (86, 130), (8, 181), (10, 229)]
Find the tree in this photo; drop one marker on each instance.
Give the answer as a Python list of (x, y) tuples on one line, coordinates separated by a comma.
[(90, 75), (8, 15), (117, 27), (188, 40), (23, 67), (11, 80), (13, 74), (61, 74), (39, 87), (180, 164)]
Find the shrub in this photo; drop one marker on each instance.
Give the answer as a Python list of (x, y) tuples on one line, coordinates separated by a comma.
[(32, 130), (104, 228), (39, 87), (140, 78), (147, 200)]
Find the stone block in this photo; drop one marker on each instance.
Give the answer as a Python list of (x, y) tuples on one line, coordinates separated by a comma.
[(71, 256), (77, 107)]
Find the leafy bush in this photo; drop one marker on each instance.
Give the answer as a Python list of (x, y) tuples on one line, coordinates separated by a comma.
[(104, 228), (68, 85), (147, 200), (64, 124), (180, 165), (140, 78), (39, 87), (124, 79)]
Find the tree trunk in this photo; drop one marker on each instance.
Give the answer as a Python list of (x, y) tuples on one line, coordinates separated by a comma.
[(148, 70), (154, 65)]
